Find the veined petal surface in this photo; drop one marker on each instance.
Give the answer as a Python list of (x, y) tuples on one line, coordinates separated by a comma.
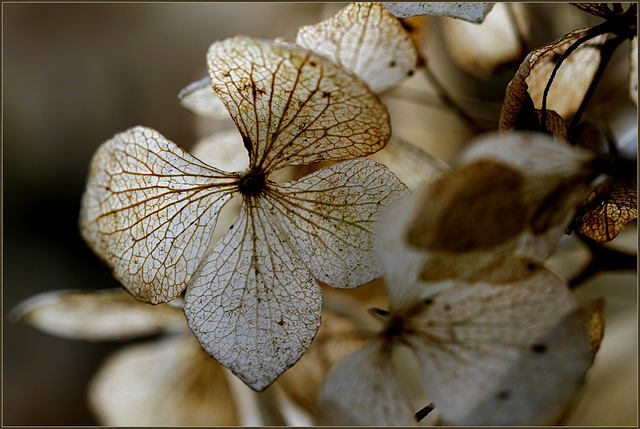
[(254, 305), (329, 217), (293, 106), (149, 210)]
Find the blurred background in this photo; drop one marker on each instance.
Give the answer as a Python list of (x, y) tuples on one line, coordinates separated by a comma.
[(76, 74)]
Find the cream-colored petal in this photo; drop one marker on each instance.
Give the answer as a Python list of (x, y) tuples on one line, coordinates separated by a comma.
[(148, 211), (168, 383), (366, 39), (101, 315), (200, 98), (329, 217), (633, 70), (480, 49), (500, 354), (254, 305), (223, 150), (472, 12), (293, 106), (411, 164), (364, 390)]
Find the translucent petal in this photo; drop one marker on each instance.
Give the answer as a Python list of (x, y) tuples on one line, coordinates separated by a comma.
[(510, 194), (364, 390), (200, 98), (294, 107), (168, 383), (489, 351), (329, 217), (104, 315), (480, 49), (223, 150), (254, 305), (472, 12), (148, 211), (366, 39), (412, 165)]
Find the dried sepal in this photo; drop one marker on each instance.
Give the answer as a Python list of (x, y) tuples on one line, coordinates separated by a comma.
[(292, 106), (201, 100), (168, 383), (594, 315), (329, 218), (149, 210), (633, 70), (472, 12), (608, 209), (222, 150), (519, 192), (481, 49), (366, 39), (104, 315)]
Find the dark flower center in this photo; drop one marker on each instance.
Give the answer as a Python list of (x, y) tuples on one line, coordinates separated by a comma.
[(252, 183)]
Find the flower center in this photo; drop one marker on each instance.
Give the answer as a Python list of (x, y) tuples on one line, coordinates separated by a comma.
[(252, 183)]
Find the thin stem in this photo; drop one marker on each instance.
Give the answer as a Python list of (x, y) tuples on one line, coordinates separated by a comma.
[(605, 55), (602, 259), (448, 100), (424, 412)]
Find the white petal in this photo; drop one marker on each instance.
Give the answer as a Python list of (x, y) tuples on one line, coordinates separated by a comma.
[(366, 39), (200, 98), (471, 338), (294, 107), (148, 211), (364, 390), (329, 216), (473, 12), (254, 305), (103, 315), (168, 383), (223, 150)]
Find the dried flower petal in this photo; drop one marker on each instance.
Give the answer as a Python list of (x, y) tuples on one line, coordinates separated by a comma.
[(472, 12), (292, 107), (104, 315), (366, 39), (201, 100), (633, 70), (149, 210), (608, 209), (168, 383)]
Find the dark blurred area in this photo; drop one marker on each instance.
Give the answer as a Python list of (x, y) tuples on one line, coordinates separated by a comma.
[(73, 76)]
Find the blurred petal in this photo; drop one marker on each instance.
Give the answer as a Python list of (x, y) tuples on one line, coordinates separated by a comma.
[(364, 390), (472, 12), (102, 315), (500, 354), (480, 49), (409, 163), (329, 217), (254, 305), (168, 383), (366, 39), (633, 70), (294, 107), (149, 210), (200, 98)]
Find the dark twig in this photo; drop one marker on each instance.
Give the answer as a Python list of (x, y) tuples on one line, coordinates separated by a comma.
[(602, 259), (424, 412)]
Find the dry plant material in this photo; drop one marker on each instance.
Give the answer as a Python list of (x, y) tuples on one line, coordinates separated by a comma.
[(478, 344), (633, 71), (524, 95), (107, 315), (366, 39), (607, 210), (481, 49), (472, 12), (200, 98), (253, 300)]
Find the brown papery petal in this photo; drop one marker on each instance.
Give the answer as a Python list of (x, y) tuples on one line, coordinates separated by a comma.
[(293, 106)]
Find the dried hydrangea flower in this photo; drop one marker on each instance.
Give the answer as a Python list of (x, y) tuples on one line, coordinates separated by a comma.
[(252, 300), (479, 340), (472, 12)]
